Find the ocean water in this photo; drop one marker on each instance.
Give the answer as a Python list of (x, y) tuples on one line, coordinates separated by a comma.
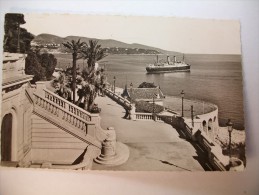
[(213, 78)]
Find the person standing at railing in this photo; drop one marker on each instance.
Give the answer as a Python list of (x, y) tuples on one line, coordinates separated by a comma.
[(103, 82)]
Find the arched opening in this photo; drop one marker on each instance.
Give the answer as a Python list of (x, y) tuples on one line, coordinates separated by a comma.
[(210, 129), (215, 125), (6, 137), (210, 125), (204, 124)]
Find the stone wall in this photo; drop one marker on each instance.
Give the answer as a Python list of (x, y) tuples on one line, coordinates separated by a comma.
[(18, 103)]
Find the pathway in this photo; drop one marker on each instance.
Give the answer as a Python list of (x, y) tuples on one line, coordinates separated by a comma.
[(154, 146)]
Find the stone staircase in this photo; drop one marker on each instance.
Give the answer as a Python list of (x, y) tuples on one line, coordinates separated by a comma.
[(62, 129), (68, 117)]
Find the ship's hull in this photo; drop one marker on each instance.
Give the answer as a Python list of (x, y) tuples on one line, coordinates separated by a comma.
[(164, 69)]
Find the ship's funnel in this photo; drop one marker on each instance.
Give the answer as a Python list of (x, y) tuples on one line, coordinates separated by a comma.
[(168, 59), (174, 59), (157, 58)]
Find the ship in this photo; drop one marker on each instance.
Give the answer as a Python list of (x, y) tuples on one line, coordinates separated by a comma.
[(168, 66)]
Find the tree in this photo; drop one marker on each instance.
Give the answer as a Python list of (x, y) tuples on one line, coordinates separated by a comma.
[(147, 85), (49, 62), (33, 67), (16, 39), (93, 53), (76, 47), (41, 66)]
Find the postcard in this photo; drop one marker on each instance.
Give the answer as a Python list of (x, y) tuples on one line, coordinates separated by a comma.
[(122, 93)]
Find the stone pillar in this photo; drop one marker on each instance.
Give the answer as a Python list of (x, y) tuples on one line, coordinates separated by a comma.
[(109, 144), (154, 117), (108, 150), (112, 152), (133, 112), (40, 85)]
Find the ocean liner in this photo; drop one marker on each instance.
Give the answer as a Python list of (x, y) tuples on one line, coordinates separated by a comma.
[(169, 66)]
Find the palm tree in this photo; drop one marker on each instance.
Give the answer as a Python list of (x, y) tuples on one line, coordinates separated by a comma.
[(76, 47), (92, 53)]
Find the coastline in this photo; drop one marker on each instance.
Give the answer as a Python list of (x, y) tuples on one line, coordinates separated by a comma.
[(222, 136)]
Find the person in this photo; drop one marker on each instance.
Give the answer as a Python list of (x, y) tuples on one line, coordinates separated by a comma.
[(128, 113), (98, 82), (103, 82)]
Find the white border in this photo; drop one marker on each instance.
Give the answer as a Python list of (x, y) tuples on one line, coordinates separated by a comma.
[(28, 181)]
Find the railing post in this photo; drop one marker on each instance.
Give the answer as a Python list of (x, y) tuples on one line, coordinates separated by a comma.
[(40, 86), (154, 117), (95, 119), (133, 112)]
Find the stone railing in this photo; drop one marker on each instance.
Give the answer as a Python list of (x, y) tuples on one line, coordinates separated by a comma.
[(144, 116), (69, 107), (194, 131), (216, 158), (147, 116), (64, 114), (120, 100), (61, 113)]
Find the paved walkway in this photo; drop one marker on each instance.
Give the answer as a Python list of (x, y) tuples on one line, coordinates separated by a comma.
[(153, 146)]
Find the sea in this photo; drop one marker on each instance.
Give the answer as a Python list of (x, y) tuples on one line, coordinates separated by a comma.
[(213, 78)]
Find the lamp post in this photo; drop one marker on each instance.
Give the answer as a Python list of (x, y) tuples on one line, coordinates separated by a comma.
[(114, 79), (182, 95), (131, 85), (154, 116), (154, 103), (230, 129)]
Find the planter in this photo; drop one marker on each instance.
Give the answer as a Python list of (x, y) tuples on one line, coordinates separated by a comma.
[(236, 164)]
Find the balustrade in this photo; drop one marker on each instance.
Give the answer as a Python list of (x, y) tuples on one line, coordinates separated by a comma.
[(69, 107), (144, 116), (62, 114), (118, 98)]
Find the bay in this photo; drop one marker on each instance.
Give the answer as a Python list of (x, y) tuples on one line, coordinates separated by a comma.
[(213, 78)]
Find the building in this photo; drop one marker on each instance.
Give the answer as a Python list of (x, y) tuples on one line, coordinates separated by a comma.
[(149, 95), (41, 129), (16, 109)]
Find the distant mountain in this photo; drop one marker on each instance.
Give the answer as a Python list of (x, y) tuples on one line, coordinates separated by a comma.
[(47, 38), (43, 39)]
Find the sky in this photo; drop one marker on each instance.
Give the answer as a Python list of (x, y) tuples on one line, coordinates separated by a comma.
[(186, 35)]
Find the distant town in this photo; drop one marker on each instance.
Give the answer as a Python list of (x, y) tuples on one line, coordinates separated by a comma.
[(57, 48), (53, 44)]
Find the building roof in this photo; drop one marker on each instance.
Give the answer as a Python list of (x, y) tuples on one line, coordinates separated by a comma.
[(143, 93)]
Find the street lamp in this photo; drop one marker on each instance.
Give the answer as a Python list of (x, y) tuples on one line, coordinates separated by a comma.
[(230, 129), (182, 95), (114, 79), (154, 103), (154, 96)]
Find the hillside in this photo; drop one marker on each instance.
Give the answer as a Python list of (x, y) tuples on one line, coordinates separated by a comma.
[(110, 44)]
